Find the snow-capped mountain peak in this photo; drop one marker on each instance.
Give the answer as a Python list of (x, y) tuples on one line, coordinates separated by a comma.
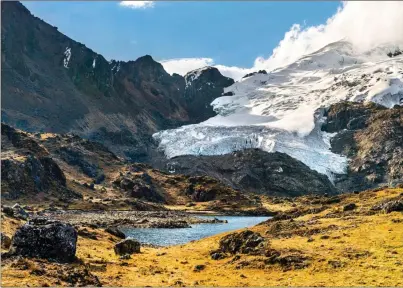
[(278, 111)]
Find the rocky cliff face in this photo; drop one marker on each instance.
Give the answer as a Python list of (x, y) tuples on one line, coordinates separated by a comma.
[(52, 83), (256, 171), (372, 137), (28, 170), (202, 87)]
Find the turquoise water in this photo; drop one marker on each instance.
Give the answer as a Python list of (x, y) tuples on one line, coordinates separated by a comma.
[(167, 237)]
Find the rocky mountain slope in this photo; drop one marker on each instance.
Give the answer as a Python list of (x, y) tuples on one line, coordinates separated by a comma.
[(372, 137), (51, 83), (255, 170)]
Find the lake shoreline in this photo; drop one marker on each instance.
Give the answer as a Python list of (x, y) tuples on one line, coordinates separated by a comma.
[(213, 226)]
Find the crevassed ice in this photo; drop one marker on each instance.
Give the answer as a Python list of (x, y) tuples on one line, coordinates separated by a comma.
[(276, 112)]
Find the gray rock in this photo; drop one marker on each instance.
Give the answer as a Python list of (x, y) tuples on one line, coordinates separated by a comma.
[(349, 207), (19, 212), (127, 246), (389, 206), (245, 242), (5, 241), (42, 238), (115, 232)]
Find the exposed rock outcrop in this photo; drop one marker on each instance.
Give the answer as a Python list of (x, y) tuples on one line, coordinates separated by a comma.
[(27, 169), (372, 137), (202, 87), (127, 246), (245, 242), (16, 211)]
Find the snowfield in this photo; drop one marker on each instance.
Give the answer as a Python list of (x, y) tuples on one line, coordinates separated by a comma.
[(283, 110)]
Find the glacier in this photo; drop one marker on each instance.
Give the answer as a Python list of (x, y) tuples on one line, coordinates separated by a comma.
[(283, 109)]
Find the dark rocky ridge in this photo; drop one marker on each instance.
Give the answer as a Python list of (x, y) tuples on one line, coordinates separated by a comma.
[(202, 87), (372, 137), (256, 171), (120, 104)]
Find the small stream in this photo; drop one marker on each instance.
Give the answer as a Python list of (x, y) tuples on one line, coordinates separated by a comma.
[(167, 237)]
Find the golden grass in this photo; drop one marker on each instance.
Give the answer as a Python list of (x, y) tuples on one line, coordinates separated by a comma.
[(368, 249)]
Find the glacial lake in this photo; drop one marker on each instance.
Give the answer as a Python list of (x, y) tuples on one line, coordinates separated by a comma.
[(175, 236)]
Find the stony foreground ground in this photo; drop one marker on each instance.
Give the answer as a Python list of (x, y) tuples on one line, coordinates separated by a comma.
[(349, 240)]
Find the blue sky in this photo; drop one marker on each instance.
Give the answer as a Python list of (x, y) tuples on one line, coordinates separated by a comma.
[(232, 33)]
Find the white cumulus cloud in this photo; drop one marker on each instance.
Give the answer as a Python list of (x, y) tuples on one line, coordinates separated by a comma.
[(182, 66), (137, 4), (366, 24)]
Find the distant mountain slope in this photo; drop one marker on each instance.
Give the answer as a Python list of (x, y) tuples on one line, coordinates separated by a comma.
[(256, 171), (52, 83)]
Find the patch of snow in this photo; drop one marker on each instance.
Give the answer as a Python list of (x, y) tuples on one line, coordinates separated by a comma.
[(279, 170), (94, 62), (194, 75), (67, 56), (115, 67)]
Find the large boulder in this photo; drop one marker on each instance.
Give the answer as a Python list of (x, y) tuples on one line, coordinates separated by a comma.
[(245, 242), (127, 246), (42, 238)]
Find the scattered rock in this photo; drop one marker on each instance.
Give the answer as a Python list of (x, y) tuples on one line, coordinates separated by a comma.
[(389, 206), (115, 232), (87, 234), (217, 255), (127, 246), (79, 276), (245, 242), (199, 267), (16, 212), (349, 207), (125, 257), (335, 264), (5, 241), (42, 238)]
